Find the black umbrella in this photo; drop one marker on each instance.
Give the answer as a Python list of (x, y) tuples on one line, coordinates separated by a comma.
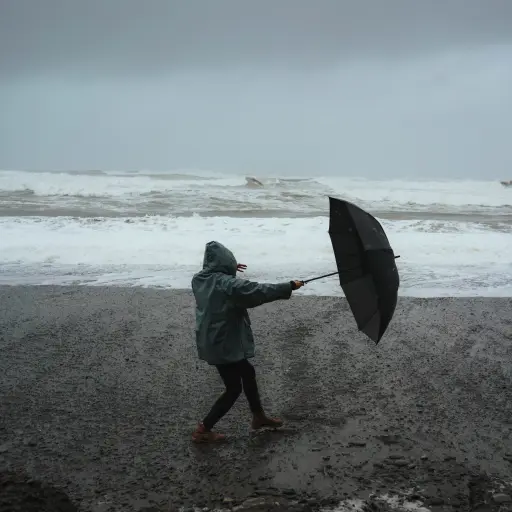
[(366, 266)]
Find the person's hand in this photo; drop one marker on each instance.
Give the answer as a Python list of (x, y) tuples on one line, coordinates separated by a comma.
[(298, 284), (240, 267)]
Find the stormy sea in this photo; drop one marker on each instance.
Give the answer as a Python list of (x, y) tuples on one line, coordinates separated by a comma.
[(141, 228)]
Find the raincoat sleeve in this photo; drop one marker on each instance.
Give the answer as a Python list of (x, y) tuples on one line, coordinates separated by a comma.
[(249, 294)]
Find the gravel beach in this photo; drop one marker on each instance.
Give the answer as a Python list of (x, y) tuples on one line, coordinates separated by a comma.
[(100, 389)]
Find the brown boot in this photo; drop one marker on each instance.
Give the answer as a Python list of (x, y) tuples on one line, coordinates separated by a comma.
[(201, 435), (262, 421)]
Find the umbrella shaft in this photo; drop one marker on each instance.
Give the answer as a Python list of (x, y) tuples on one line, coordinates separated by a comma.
[(321, 277), (329, 275)]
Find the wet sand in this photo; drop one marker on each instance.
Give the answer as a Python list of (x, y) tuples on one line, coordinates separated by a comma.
[(100, 389)]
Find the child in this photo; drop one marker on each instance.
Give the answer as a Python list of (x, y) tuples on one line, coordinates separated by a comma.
[(224, 336)]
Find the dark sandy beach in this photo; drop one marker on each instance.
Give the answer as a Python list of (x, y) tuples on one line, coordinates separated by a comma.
[(100, 389)]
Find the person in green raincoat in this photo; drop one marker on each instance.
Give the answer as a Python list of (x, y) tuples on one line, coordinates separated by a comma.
[(224, 336)]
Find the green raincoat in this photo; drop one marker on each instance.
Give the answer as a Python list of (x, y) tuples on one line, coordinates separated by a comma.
[(223, 327)]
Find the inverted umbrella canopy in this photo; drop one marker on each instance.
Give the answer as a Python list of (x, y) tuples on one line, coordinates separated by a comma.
[(366, 266)]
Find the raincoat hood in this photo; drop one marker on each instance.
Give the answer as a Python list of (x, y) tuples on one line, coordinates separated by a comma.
[(218, 258)]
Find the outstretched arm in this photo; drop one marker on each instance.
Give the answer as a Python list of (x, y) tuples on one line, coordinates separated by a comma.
[(250, 294)]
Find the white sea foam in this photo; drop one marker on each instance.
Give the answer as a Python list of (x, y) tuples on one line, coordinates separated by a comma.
[(437, 258), (153, 236)]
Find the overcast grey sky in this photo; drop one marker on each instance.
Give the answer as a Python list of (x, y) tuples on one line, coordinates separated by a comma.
[(364, 87)]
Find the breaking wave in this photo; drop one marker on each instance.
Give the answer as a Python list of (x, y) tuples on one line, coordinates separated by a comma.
[(139, 193)]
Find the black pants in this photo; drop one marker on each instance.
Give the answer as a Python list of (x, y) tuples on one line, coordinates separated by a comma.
[(236, 376)]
